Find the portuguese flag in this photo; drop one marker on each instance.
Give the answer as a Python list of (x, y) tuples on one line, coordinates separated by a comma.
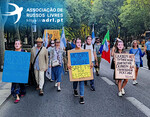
[(105, 47)]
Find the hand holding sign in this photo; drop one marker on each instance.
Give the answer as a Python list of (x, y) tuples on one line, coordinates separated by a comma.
[(125, 66), (16, 67), (80, 65)]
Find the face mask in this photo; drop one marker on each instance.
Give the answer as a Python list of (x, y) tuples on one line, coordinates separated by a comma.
[(120, 46), (17, 45)]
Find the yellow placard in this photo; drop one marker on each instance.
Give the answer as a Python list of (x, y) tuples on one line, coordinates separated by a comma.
[(80, 62), (81, 71), (52, 34)]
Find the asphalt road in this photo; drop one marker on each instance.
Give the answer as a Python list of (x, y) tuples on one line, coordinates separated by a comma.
[(104, 102)]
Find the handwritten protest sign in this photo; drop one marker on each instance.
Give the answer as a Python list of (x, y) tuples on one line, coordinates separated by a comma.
[(80, 61), (52, 34), (16, 67), (124, 66)]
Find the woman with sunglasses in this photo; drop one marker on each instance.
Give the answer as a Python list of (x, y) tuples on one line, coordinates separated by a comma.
[(138, 58), (56, 62)]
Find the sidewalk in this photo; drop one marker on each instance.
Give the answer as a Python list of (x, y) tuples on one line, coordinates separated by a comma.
[(4, 90)]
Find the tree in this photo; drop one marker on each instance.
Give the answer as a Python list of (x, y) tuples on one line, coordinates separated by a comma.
[(105, 15), (135, 16), (79, 12), (3, 3)]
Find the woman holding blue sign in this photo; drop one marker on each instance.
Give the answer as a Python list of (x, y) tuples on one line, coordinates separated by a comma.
[(81, 83), (138, 58), (18, 89)]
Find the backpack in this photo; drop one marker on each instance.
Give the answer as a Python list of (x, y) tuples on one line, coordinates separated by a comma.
[(85, 46)]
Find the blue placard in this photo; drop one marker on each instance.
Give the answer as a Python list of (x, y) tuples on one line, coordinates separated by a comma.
[(16, 67), (81, 58)]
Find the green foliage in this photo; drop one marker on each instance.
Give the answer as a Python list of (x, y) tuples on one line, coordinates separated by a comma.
[(105, 15), (79, 12), (135, 16), (132, 16)]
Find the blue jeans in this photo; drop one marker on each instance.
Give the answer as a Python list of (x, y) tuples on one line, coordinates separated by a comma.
[(56, 73), (137, 64), (92, 81), (18, 88), (81, 87)]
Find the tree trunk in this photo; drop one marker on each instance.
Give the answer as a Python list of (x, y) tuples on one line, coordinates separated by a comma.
[(16, 26), (17, 34), (32, 37), (2, 44), (3, 3)]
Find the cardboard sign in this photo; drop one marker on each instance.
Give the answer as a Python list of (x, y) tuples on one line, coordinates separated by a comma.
[(52, 34), (124, 66), (16, 67), (80, 61)]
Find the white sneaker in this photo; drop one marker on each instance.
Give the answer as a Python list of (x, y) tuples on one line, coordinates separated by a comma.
[(120, 94), (56, 84), (122, 91), (59, 89), (135, 81)]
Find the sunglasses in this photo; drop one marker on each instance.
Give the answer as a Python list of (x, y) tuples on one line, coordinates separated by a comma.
[(57, 42)]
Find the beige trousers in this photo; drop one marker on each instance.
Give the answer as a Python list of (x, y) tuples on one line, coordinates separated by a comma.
[(39, 76)]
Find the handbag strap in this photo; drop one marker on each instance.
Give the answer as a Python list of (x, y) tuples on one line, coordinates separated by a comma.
[(136, 51), (37, 55)]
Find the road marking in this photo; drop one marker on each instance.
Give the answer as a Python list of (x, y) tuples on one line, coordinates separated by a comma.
[(139, 106), (108, 81)]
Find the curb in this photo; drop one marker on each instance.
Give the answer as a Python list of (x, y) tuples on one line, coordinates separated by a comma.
[(4, 91)]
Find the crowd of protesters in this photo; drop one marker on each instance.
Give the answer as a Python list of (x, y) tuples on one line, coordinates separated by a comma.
[(53, 61)]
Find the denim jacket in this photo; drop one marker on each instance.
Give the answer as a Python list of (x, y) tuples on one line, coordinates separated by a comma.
[(141, 54)]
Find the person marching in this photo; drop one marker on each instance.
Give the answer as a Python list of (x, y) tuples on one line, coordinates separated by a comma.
[(39, 54), (56, 62), (147, 50), (138, 58), (18, 89), (68, 47), (49, 71), (90, 46), (120, 49), (115, 47), (97, 47), (73, 45), (112, 54), (81, 83)]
